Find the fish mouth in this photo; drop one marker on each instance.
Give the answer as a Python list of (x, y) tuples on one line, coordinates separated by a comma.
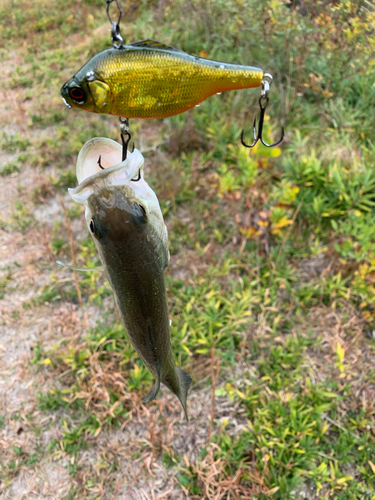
[(65, 89), (91, 177), (66, 103), (130, 210)]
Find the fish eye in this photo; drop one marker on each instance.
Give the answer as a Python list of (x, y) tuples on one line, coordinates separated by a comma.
[(92, 226), (77, 94)]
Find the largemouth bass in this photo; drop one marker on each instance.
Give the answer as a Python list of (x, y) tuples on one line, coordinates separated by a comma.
[(148, 79), (124, 218)]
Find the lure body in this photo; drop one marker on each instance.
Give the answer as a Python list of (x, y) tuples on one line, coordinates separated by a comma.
[(124, 218), (147, 80)]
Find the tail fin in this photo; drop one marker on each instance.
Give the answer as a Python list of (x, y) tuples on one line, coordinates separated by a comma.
[(185, 381)]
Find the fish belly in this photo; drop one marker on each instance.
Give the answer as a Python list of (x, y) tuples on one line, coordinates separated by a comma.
[(155, 84), (140, 296), (141, 300)]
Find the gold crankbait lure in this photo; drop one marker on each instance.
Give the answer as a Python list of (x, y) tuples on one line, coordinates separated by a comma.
[(148, 79)]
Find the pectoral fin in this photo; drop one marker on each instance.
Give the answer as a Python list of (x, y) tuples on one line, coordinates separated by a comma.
[(83, 269)]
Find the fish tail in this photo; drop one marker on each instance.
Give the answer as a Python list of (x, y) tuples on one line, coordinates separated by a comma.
[(185, 381), (154, 391)]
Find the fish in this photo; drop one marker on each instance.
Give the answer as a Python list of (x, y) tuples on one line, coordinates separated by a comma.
[(124, 218), (147, 79)]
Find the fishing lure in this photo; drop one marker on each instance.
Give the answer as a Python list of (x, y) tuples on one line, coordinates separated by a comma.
[(148, 79), (124, 218)]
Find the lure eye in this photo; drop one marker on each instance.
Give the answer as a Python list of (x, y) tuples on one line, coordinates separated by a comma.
[(76, 93), (92, 226)]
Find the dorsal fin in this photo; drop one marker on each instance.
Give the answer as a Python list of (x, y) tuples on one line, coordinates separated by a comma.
[(154, 44)]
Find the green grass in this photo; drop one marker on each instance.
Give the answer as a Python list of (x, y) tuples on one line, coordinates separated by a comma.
[(289, 436), (273, 265)]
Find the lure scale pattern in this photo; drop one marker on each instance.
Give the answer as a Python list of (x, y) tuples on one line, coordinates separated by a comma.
[(144, 82)]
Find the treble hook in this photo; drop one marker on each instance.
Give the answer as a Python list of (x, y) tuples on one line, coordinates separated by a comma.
[(124, 130), (115, 26), (263, 101)]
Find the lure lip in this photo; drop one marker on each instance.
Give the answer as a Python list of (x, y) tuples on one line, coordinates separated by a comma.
[(66, 103), (64, 92)]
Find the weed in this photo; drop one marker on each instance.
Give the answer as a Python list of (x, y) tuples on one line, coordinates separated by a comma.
[(14, 143), (9, 168), (22, 217), (3, 283), (47, 294)]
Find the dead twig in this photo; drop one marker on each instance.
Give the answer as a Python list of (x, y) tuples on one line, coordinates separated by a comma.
[(214, 377)]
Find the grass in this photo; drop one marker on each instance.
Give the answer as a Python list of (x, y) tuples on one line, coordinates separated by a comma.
[(271, 279)]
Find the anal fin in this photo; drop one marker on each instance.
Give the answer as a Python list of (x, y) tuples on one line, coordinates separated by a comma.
[(154, 391), (185, 381)]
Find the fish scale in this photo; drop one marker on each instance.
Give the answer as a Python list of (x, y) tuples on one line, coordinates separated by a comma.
[(150, 80)]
